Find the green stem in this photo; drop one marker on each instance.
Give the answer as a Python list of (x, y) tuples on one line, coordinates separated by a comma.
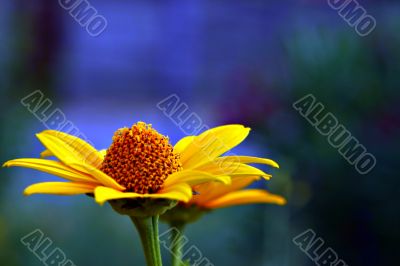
[(148, 231), (177, 238)]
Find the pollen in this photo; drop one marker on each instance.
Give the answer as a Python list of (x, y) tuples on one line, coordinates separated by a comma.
[(140, 159)]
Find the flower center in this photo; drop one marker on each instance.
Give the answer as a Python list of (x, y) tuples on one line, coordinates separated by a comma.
[(140, 159)]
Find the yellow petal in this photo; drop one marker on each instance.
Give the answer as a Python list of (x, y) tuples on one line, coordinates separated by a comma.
[(103, 178), (245, 160), (183, 143), (46, 153), (194, 177), (61, 150), (211, 144), (103, 194), (249, 196), (76, 160), (232, 169), (102, 153), (59, 188), (78, 145), (181, 192), (69, 152), (51, 167), (212, 190)]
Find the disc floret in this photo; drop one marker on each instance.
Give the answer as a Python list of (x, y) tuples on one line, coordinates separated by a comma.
[(140, 159)]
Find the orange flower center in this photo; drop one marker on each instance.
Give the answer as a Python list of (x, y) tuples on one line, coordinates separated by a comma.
[(140, 159)]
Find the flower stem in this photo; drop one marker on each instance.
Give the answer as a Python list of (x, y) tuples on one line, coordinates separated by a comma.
[(177, 244), (148, 231)]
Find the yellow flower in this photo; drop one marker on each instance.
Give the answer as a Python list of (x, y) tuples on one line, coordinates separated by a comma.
[(213, 195), (210, 196), (140, 163)]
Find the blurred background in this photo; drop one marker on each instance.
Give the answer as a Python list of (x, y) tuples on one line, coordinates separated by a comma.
[(231, 62)]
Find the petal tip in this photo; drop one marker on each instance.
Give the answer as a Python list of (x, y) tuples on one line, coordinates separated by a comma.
[(26, 192), (275, 164), (45, 153), (185, 200), (39, 136), (267, 177), (100, 202), (9, 163), (281, 201)]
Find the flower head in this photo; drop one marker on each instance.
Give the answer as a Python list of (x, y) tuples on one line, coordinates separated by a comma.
[(140, 163), (211, 195), (140, 159)]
